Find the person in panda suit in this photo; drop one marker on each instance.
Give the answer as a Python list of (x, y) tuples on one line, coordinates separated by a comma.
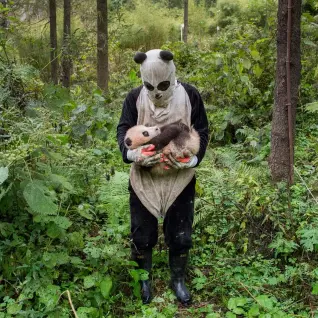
[(162, 100)]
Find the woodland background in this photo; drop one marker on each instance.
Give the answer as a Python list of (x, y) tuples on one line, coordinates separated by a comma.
[(64, 216)]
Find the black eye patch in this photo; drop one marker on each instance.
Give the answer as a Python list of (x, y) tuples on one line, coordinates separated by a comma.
[(149, 86), (128, 142), (145, 133), (163, 86)]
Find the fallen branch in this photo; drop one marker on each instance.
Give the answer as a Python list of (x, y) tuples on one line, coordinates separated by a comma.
[(70, 301)]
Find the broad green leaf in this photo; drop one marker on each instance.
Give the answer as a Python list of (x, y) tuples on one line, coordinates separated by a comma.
[(97, 152), (62, 221), (238, 311), (230, 315), (315, 289), (240, 68), (49, 259), (265, 301), (101, 134), (4, 174), (255, 55), (236, 302), (87, 312), (247, 63), (6, 229), (254, 311), (79, 130), (76, 260), (85, 212), (244, 79), (134, 274), (143, 274), (62, 181), (37, 200), (55, 156), (89, 281), (13, 309), (53, 259), (106, 286), (257, 70), (58, 139), (132, 76), (79, 109), (49, 296), (53, 231)]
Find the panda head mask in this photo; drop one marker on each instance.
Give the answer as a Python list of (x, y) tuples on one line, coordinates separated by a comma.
[(158, 75)]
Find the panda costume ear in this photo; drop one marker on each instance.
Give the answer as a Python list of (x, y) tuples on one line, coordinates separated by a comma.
[(140, 57), (166, 55)]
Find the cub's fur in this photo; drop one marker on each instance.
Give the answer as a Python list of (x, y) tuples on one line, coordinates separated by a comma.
[(176, 139)]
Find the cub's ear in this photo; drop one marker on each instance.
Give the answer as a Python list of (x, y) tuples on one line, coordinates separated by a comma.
[(140, 57), (166, 55), (147, 125)]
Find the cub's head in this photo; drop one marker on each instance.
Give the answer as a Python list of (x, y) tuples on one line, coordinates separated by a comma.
[(140, 135)]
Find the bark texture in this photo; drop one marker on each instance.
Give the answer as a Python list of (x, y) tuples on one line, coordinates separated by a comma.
[(186, 21), (3, 17), (66, 57), (102, 45), (53, 42), (279, 160)]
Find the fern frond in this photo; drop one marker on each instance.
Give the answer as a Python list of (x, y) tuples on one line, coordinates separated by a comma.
[(228, 159)]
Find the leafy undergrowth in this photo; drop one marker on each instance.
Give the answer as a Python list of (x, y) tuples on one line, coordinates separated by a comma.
[(65, 224)]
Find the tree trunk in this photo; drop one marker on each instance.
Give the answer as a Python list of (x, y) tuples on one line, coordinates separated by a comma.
[(3, 16), (280, 160), (102, 45), (186, 21), (66, 57), (53, 41)]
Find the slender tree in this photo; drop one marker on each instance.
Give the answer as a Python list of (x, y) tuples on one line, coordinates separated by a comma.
[(186, 21), (66, 57), (288, 69), (53, 41), (3, 16), (102, 45)]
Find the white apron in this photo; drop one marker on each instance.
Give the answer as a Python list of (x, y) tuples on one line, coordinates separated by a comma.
[(157, 193)]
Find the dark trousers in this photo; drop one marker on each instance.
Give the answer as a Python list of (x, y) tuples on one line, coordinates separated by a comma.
[(177, 224)]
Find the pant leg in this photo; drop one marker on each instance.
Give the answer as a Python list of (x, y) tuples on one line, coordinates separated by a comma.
[(178, 221), (144, 226)]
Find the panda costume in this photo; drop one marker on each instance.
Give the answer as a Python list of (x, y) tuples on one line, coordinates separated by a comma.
[(159, 101)]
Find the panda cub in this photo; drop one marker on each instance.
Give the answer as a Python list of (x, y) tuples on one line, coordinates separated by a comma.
[(176, 139)]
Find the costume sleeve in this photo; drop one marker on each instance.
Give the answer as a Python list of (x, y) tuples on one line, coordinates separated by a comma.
[(128, 119), (198, 118)]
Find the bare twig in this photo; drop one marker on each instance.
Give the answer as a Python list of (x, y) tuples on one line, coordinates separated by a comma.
[(70, 301), (301, 178)]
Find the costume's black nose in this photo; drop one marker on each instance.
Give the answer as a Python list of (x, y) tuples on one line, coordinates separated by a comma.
[(158, 96)]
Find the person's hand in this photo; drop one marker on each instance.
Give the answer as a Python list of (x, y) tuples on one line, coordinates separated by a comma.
[(179, 163), (145, 156)]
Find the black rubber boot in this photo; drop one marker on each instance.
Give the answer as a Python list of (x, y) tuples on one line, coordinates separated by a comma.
[(144, 260), (178, 263)]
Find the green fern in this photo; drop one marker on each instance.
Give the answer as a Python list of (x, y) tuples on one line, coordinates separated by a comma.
[(114, 193), (312, 107), (228, 159), (309, 237)]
